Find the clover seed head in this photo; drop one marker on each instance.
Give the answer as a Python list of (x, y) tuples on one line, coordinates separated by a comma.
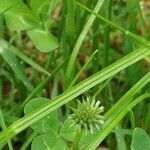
[(87, 115)]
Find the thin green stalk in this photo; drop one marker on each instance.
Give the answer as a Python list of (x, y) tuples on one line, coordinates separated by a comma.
[(132, 118), (107, 48), (132, 14), (147, 121), (50, 60), (141, 18), (107, 35), (133, 72), (121, 144), (3, 125), (28, 141), (77, 140), (73, 92), (70, 68), (95, 45), (19, 40), (1, 91), (101, 87), (82, 69), (70, 20)]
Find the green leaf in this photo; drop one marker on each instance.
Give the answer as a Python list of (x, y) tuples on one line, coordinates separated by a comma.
[(43, 8), (43, 41), (140, 140), (14, 64), (48, 142), (20, 17), (50, 123), (7, 4), (67, 132)]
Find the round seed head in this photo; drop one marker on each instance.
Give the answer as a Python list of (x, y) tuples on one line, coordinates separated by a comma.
[(87, 115)]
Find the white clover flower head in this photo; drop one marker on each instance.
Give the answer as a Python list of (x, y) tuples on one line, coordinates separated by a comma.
[(87, 115)]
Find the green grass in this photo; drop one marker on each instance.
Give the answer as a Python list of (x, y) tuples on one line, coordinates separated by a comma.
[(54, 52)]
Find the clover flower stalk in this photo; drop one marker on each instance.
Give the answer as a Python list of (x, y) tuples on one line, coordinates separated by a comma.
[(87, 115)]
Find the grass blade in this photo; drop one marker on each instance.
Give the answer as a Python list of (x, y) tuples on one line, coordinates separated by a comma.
[(13, 62), (27, 59)]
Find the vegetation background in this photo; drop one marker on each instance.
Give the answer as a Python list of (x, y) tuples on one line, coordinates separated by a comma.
[(53, 52)]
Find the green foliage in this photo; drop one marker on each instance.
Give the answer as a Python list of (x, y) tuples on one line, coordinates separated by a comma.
[(140, 140), (14, 64), (42, 9), (48, 141), (48, 128), (43, 40), (6, 5), (20, 17), (67, 132), (48, 124), (54, 52)]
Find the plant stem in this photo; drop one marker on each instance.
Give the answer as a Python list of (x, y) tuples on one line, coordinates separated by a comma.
[(77, 140), (70, 20), (82, 69), (107, 35)]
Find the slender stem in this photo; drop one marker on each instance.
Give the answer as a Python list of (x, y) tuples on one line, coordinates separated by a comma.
[(132, 118), (77, 140), (142, 21), (101, 87), (70, 20), (1, 91), (107, 35), (82, 69)]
